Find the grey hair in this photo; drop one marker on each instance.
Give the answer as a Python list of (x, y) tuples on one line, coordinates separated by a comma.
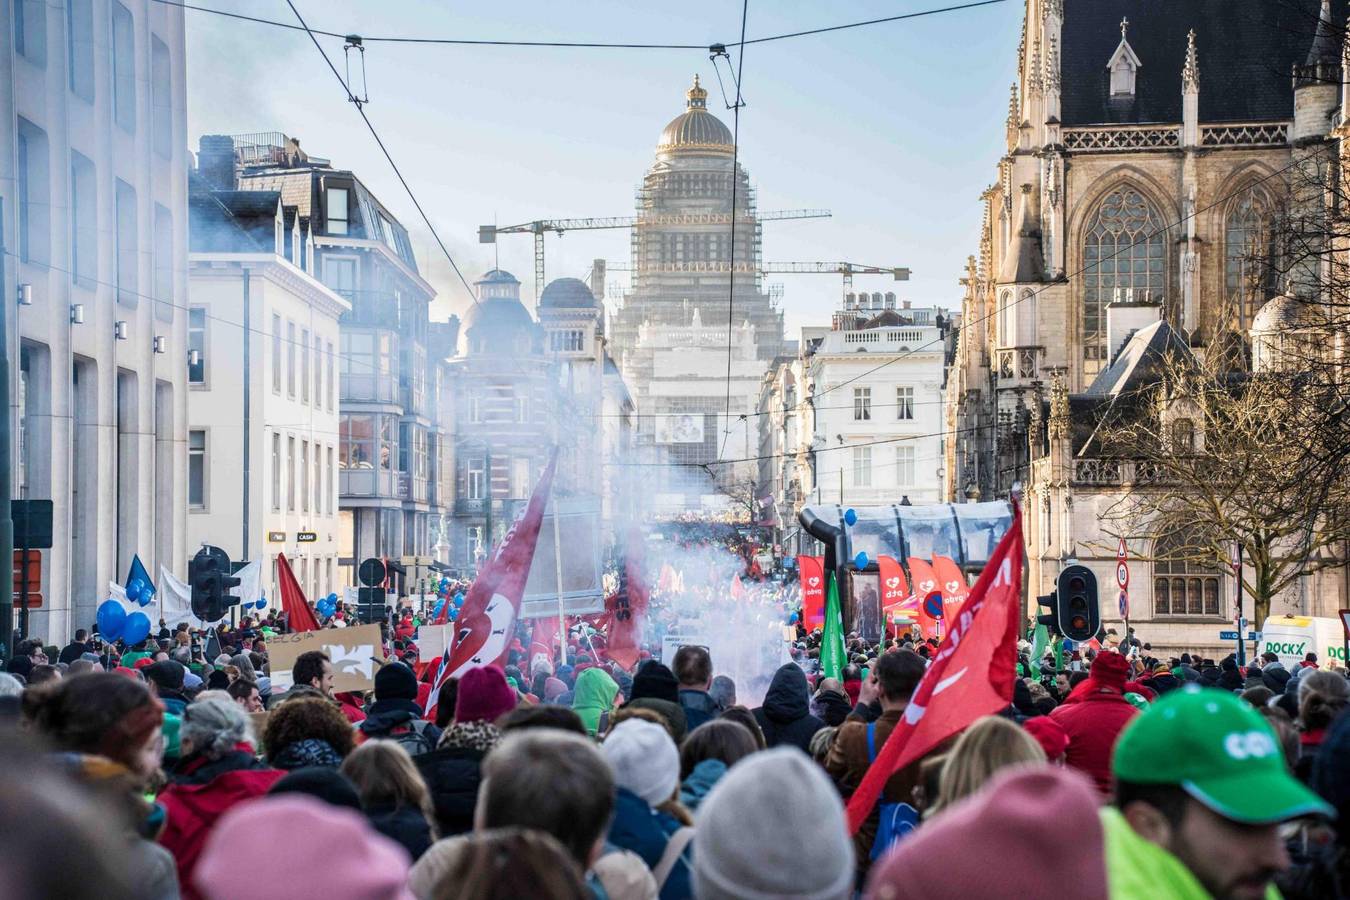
[(214, 724), (1328, 684), (244, 664), (9, 685)]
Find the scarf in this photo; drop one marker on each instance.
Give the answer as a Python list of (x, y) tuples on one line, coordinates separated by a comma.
[(478, 735)]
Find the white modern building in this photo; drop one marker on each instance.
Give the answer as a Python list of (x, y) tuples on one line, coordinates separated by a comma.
[(93, 215), (263, 395)]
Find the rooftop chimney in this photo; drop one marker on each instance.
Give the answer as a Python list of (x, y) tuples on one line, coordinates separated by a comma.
[(215, 161)]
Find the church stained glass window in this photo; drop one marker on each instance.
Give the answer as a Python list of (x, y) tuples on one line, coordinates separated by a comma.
[(1124, 259), (1250, 270)]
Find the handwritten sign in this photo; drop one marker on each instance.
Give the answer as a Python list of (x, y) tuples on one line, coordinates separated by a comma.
[(353, 651)]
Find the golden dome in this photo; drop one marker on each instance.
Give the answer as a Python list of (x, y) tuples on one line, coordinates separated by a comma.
[(696, 128)]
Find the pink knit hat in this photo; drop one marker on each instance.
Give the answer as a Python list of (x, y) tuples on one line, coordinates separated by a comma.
[(1020, 819), (483, 695), (292, 847)]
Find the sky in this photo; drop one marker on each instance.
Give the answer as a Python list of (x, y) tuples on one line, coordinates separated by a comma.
[(896, 128)]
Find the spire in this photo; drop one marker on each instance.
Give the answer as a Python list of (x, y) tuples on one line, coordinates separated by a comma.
[(1059, 409), (1326, 45), (1052, 76), (1125, 28), (1190, 73), (1034, 83), (696, 97), (1022, 261)]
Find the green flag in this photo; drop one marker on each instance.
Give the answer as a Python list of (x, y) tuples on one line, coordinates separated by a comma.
[(1040, 638), (832, 644)]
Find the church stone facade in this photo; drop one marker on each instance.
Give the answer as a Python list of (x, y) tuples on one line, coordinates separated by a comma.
[(1149, 147)]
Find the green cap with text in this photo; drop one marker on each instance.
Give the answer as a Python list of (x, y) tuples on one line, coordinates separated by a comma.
[(1217, 748)]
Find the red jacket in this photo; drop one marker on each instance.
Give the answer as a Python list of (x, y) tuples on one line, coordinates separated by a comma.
[(1093, 721), (202, 792)]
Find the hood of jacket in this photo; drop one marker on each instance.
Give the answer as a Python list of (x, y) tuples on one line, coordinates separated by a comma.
[(788, 698), (832, 707), (594, 693), (385, 715), (701, 781)]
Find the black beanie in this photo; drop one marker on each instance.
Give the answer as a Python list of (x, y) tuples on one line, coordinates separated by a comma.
[(166, 674), (656, 681), (320, 782), (395, 681)]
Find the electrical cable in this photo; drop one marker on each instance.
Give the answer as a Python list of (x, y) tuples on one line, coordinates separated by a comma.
[(735, 183)]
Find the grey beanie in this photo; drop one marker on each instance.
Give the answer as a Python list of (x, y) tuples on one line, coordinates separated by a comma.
[(753, 839)]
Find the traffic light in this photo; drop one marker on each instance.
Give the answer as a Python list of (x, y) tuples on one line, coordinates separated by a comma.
[(1049, 619), (370, 605), (1076, 613), (210, 584)]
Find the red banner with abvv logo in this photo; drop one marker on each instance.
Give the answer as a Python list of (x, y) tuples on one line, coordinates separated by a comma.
[(811, 569)]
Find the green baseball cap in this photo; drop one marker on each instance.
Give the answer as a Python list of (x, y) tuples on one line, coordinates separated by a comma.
[(1218, 749)]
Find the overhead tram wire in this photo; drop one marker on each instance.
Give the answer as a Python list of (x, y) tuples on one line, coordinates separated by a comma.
[(360, 108), (579, 45), (735, 183)]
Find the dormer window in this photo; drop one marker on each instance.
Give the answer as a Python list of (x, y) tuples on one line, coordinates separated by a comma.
[(1123, 65)]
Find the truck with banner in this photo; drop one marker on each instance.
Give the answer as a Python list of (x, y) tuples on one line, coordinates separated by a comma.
[(1292, 638)]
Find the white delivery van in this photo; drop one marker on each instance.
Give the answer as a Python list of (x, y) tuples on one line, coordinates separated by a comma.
[(1293, 637)]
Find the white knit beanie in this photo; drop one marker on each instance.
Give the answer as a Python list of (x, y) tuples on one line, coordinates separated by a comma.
[(644, 759), (773, 827)]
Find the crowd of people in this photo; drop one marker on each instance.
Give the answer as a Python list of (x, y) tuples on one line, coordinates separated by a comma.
[(175, 769)]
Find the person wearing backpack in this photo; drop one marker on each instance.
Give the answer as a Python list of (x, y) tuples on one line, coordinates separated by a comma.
[(395, 715), (892, 681)]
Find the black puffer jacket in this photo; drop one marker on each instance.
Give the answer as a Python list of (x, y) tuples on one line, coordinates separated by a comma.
[(785, 717), (452, 775), (404, 824)]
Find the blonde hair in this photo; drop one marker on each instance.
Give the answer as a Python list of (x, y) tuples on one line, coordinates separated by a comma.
[(991, 744), (385, 775)]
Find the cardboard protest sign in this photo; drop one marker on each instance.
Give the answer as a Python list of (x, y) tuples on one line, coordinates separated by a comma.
[(259, 720), (355, 653), (431, 641)]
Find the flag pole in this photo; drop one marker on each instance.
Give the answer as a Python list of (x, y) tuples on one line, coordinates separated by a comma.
[(557, 563)]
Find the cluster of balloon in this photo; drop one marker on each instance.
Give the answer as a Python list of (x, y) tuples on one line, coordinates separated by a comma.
[(327, 605), (140, 592), (260, 603), (114, 623)]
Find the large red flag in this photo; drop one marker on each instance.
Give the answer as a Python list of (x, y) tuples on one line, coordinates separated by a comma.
[(811, 570), (971, 676), (293, 602), (542, 638), (894, 588), (487, 620), (924, 583), (628, 606), (953, 584)]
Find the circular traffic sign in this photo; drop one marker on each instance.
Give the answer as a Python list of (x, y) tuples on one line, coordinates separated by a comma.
[(932, 605), (372, 572), (1122, 575)]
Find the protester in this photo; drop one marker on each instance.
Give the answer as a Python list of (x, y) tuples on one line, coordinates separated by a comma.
[(743, 716), (393, 795), (297, 848), (1325, 872), (1028, 832), (307, 731), (1202, 791), (541, 716), (1321, 697), (167, 677), (892, 682), (707, 753), (1093, 714), (989, 745), (773, 827), (246, 695), (785, 717), (656, 688), (451, 771), (594, 698), (76, 648), (313, 669), (323, 783), (507, 864), (217, 770), (395, 714), (1052, 737), (694, 669), (830, 704), (723, 691), (647, 775)]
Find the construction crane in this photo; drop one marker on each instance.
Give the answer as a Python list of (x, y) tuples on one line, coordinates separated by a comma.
[(487, 234), (846, 269)]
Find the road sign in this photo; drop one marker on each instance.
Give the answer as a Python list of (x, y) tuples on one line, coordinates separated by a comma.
[(1124, 604), (1122, 575), (1233, 635), (372, 572), (306, 537), (34, 579), (32, 523)]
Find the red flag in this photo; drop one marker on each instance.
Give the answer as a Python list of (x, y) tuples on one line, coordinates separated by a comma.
[(542, 638), (487, 620), (442, 673), (894, 588), (952, 582), (293, 602), (628, 606), (811, 570), (924, 583), (971, 676)]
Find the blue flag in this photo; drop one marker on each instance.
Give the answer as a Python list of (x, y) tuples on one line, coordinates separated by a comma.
[(143, 590)]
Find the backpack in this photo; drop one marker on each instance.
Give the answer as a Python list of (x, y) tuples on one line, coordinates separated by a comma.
[(412, 737), (897, 819)]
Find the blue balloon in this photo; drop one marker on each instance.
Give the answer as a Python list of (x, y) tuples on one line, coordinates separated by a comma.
[(261, 602), (136, 628), (459, 599), (861, 559), (333, 598), (111, 618), (440, 605), (850, 517), (454, 613), (792, 619), (133, 592)]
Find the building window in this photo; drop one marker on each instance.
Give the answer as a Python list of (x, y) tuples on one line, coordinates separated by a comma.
[(304, 476), (197, 341), (80, 40), (197, 469), (1123, 260), (339, 273), (1251, 270), (163, 263), (520, 477), (473, 543), (475, 480), (128, 244), (328, 363), (475, 409), (338, 215), (1183, 436), (124, 67), (570, 341), (364, 437), (862, 404), (34, 198), (30, 30), (276, 472), (904, 465), (304, 365), (1182, 586), (904, 403), (290, 359), (161, 98), (84, 224), (317, 372), (862, 467), (328, 483), (522, 405), (276, 354)]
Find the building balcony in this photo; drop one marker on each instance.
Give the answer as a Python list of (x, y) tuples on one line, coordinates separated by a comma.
[(359, 388), (367, 483), (1100, 472)]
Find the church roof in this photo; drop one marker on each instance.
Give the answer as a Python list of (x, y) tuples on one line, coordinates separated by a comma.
[(696, 128), (1137, 364), (567, 293), (1022, 263), (1247, 50), (1286, 313)]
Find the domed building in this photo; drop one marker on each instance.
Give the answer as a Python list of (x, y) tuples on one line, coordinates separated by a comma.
[(671, 332), (1286, 333), (499, 324)]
